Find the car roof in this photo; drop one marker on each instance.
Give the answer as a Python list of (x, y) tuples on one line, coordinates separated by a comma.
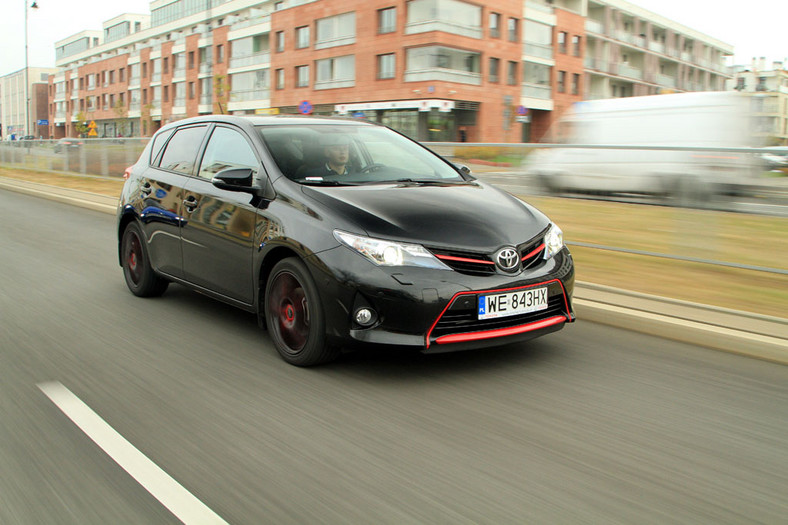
[(268, 120)]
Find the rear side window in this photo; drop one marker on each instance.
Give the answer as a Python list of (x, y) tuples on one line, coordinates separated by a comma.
[(181, 152), (158, 143)]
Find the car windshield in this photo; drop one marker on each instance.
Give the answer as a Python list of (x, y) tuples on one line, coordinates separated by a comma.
[(326, 154)]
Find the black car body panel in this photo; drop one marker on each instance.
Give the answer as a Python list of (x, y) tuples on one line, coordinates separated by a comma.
[(225, 242)]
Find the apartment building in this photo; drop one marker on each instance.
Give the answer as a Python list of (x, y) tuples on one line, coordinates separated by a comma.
[(767, 86), (12, 103), (437, 70)]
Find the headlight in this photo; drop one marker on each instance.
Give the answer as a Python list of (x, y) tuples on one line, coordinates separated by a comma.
[(554, 241), (387, 253)]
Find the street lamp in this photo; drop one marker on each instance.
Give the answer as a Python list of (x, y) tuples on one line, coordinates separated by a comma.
[(34, 5)]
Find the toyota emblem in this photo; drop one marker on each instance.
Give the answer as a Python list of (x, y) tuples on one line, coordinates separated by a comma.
[(507, 259)]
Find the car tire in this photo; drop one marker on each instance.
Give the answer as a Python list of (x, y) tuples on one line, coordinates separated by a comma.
[(294, 315), (140, 277)]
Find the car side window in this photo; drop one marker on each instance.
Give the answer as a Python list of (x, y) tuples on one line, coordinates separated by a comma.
[(226, 149), (181, 152), (158, 143)]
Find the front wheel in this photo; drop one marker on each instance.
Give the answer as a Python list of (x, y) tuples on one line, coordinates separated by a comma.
[(140, 277), (294, 315)]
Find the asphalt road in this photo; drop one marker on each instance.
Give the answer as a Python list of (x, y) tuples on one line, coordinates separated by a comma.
[(589, 425)]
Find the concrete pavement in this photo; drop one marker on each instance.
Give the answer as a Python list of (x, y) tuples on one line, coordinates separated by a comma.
[(743, 333)]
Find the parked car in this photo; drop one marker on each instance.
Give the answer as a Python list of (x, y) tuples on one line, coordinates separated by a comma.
[(397, 246), (776, 159), (67, 143)]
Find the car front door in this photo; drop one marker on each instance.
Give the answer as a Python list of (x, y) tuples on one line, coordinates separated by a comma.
[(218, 229)]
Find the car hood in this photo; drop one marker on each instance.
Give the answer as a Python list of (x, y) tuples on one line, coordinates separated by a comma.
[(473, 216)]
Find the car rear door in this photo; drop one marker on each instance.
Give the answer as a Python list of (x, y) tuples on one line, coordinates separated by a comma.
[(161, 191), (218, 228)]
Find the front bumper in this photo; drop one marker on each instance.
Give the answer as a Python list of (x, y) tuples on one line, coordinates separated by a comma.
[(434, 311)]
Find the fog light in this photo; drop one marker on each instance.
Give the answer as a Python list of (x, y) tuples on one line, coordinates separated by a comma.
[(365, 316)]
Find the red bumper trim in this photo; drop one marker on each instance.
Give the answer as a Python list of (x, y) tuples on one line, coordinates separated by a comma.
[(501, 332)]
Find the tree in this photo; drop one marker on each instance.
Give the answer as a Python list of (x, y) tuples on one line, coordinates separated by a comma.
[(122, 112), (221, 92), (81, 126)]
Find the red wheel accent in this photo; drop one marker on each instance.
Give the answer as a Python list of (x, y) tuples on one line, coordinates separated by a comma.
[(288, 301)]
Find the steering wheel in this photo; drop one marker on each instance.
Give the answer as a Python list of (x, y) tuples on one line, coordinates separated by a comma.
[(372, 167)]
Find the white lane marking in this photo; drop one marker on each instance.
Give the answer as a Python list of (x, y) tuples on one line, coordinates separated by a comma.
[(164, 488)]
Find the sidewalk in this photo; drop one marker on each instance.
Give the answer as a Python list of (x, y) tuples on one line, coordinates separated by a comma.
[(742, 333)]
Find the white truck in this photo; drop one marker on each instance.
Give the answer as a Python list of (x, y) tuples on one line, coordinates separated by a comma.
[(706, 119)]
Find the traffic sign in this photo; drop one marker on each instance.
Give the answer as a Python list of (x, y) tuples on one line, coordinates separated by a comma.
[(305, 107), (42, 122), (522, 110)]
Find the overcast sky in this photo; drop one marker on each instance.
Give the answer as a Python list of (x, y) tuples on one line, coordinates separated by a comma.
[(755, 27)]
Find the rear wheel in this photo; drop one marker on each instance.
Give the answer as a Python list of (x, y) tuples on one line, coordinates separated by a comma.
[(294, 315), (140, 277)]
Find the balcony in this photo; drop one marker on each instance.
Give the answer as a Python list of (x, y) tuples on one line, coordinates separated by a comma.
[(208, 99), (625, 70), (538, 50), (657, 47), (539, 91), (592, 26), (666, 81), (179, 73), (446, 26), (134, 82), (262, 19), (179, 102), (250, 60), (440, 74), (245, 95), (206, 67)]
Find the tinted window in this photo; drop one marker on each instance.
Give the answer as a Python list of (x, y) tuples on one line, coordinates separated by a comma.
[(182, 149), (158, 143), (226, 149)]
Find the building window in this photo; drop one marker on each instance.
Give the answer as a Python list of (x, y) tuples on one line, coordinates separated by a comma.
[(576, 45), (336, 72), (494, 67), (512, 28), (449, 16), (511, 73), (280, 79), (219, 53), (191, 60), (280, 41), (387, 20), (495, 25), (561, 82), (336, 30), (562, 42), (165, 98), (302, 37), (442, 63), (302, 76), (386, 66), (575, 83), (192, 92)]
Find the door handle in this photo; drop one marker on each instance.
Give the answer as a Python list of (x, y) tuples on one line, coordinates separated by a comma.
[(190, 203)]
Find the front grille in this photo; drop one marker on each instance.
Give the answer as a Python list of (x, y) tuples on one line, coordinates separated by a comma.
[(461, 321), (471, 263), (531, 253)]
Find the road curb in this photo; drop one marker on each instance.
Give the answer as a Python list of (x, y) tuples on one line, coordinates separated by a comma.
[(743, 333)]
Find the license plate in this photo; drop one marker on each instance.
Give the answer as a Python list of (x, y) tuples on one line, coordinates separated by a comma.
[(512, 303)]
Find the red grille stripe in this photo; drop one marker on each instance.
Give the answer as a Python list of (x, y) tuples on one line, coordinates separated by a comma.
[(531, 254), (481, 292), (462, 259), (501, 332)]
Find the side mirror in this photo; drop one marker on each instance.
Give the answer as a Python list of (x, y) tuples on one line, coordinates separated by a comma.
[(234, 179), (465, 170)]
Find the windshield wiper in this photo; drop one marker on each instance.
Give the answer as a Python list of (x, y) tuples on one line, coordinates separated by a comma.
[(424, 181), (314, 182)]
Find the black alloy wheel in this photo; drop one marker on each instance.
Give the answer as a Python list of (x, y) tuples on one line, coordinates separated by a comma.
[(140, 277), (294, 315)]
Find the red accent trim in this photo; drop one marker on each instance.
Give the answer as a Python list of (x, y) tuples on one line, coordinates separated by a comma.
[(531, 254), (501, 290), (500, 332), (462, 259)]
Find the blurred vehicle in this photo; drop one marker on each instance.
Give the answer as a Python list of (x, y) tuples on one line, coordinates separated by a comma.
[(776, 161), (25, 141), (709, 119), (67, 143), (339, 233)]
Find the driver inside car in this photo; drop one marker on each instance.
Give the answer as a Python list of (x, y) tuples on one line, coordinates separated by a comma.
[(336, 152)]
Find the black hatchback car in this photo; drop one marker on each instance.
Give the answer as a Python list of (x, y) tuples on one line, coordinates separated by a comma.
[(339, 234)]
